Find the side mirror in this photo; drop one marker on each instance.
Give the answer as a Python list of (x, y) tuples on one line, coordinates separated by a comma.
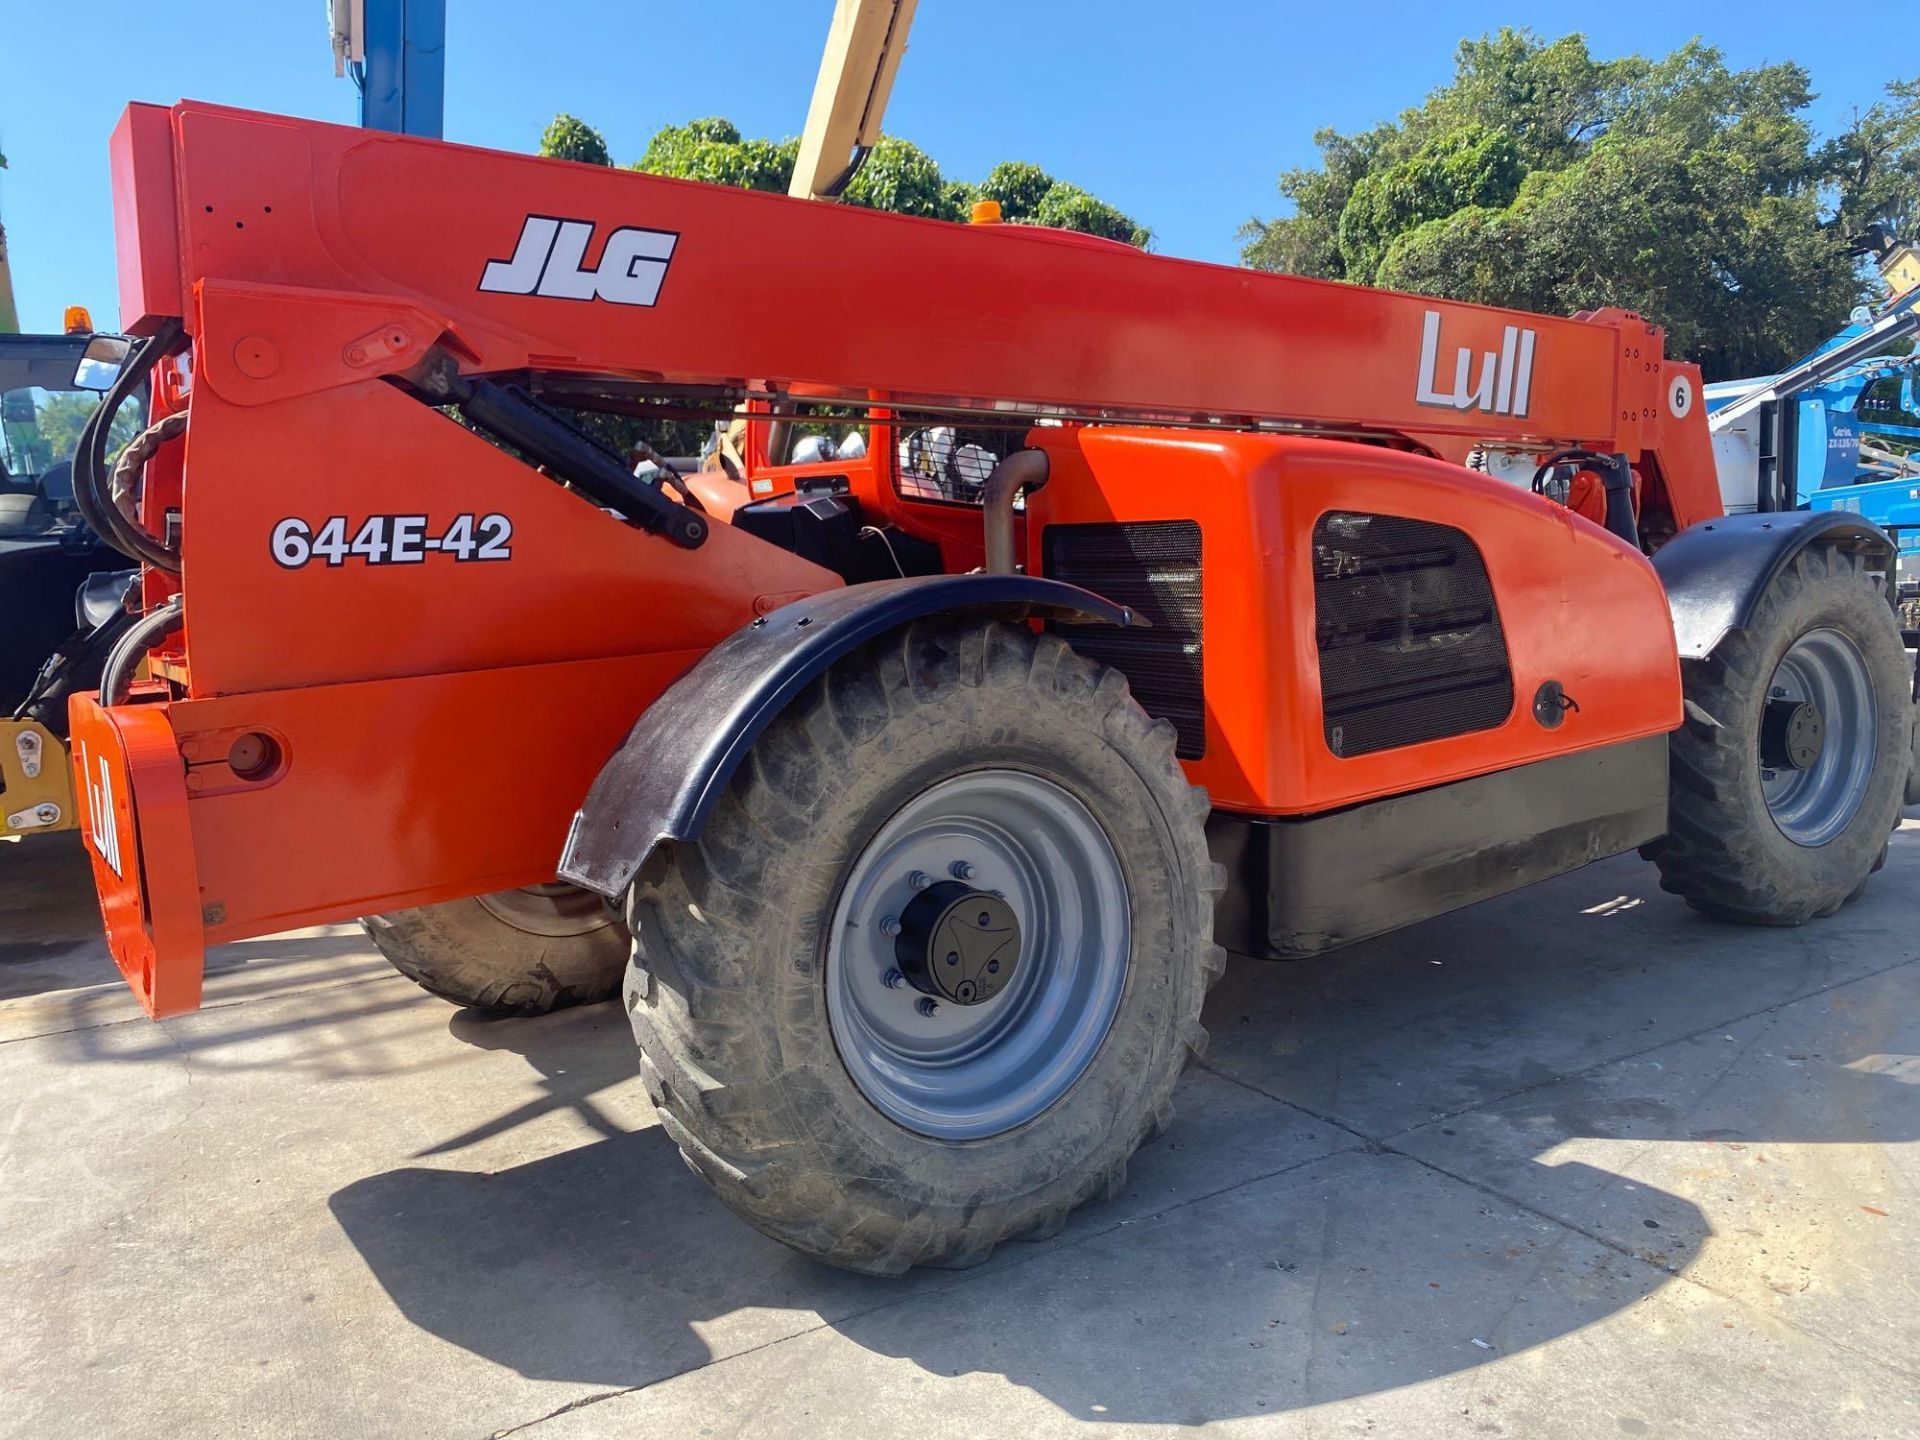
[(100, 365)]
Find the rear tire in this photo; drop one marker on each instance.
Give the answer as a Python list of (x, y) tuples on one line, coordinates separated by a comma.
[(521, 952), (1764, 844), (756, 944)]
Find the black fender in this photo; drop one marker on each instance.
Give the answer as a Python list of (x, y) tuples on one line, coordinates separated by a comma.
[(1716, 571), (680, 754)]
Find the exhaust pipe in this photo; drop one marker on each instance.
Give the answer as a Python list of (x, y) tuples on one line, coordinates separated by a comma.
[(1023, 470)]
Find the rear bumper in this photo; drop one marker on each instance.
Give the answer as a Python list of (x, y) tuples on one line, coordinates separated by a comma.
[(131, 805), (385, 794)]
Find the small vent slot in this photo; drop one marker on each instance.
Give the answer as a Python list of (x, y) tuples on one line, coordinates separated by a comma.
[(1408, 633), (1153, 568)]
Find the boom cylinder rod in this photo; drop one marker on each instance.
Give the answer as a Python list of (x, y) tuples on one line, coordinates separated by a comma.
[(511, 415)]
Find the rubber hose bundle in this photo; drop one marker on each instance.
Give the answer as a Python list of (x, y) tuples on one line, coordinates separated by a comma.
[(92, 491)]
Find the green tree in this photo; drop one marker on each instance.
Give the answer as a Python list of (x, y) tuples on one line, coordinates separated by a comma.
[(570, 139), (958, 197), (1018, 187), (897, 176), (1028, 195), (1543, 178), (62, 415), (712, 150), (1068, 207), (1468, 168), (1874, 166)]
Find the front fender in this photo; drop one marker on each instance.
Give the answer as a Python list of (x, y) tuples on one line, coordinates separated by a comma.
[(681, 753), (1716, 571)]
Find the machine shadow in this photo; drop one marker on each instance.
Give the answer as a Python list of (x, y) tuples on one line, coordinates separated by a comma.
[(1359, 1269), (50, 937), (599, 1265), (611, 1265), (49, 919)]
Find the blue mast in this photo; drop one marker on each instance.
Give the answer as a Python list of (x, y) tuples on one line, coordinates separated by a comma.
[(403, 78)]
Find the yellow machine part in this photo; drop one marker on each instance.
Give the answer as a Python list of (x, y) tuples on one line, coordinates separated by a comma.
[(36, 780)]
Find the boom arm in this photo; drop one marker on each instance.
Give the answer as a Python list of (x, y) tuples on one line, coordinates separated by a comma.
[(315, 238)]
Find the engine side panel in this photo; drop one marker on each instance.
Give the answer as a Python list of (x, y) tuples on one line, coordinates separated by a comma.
[(1301, 886), (1572, 606)]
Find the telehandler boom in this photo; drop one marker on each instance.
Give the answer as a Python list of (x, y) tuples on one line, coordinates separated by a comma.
[(1155, 610)]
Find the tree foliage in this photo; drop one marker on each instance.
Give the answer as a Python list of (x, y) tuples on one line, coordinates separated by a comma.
[(897, 176), (570, 139), (1068, 207), (1543, 178), (58, 421), (713, 150), (1017, 187), (1875, 166)]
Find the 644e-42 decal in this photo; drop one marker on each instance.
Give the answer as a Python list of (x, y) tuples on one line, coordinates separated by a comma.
[(389, 540)]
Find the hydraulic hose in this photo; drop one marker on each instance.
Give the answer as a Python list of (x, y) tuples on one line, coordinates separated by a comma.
[(117, 678), (133, 459), (91, 488)]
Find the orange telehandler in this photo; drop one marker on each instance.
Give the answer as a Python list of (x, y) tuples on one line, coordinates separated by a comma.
[(912, 796)]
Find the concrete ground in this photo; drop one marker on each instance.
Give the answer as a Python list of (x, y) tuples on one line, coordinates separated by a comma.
[(1572, 1163)]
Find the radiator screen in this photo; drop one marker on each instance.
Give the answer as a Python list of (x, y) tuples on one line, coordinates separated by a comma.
[(1154, 568)]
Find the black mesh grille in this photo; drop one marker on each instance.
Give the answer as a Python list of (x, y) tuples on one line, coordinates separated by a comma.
[(1154, 568), (1409, 638)]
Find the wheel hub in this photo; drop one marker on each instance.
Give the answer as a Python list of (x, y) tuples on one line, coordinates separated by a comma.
[(1818, 736), (961, 1050), (1791, 735), (957, 943)]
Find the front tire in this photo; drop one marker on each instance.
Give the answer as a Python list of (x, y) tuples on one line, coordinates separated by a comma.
[(834, 1105), (520, 952), (1791, 765)]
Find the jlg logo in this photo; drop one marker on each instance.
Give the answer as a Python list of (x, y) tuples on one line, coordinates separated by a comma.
[(551, 257), (1506, 378), (102, 828)]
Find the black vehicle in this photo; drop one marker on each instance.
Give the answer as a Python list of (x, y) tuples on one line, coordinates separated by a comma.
[(61, 586)]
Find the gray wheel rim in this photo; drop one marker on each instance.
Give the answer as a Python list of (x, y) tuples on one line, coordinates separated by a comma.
[(970, 1071), (1825, 669), (555, 909)]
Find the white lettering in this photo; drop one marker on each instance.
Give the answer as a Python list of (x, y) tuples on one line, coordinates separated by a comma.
[(101, 824), (1430, 352), (565, 280), (550, 260), (634, 265), (1505, 381), (519, 275)]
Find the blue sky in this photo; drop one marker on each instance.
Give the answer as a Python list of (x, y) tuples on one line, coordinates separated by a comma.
[(1181, 114)]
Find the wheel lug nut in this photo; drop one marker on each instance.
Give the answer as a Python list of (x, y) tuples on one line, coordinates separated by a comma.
[(890, 925), (927, 1006), (962, 870), (918, 880), (893, 979)]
